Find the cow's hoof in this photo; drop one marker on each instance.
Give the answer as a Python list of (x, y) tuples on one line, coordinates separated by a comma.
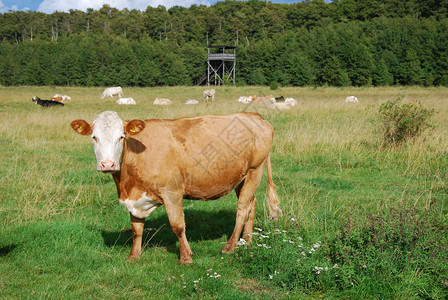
[(186, 261), (227, 249), (133, 257)]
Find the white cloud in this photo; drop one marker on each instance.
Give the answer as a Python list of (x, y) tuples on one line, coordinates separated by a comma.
[(4, 8), (49, 6)]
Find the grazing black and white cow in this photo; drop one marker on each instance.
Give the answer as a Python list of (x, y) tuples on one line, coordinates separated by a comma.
[(46, 103)]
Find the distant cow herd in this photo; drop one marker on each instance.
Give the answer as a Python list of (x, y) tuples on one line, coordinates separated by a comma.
[(276, 103)]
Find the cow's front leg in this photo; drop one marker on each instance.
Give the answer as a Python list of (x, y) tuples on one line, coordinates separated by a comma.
[(138, 225), (175, 212)]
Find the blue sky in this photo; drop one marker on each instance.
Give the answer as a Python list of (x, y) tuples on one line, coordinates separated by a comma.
[(49, 6)]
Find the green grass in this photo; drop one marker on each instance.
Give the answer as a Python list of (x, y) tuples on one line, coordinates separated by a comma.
[(360, 220)]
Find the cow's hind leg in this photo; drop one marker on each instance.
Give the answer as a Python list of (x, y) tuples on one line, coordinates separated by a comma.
[(246, 207), (249, 226)]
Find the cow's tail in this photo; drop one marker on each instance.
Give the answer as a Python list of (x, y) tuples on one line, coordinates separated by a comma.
[(273, 199)]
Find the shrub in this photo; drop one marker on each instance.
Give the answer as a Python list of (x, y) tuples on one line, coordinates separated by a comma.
[(273, 86), (402, 121)]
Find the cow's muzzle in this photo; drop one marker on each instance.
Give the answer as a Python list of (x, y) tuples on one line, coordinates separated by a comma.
[(108, 166)]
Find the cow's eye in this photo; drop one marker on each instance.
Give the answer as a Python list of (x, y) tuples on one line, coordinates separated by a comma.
[(121, 138), (95, 138)]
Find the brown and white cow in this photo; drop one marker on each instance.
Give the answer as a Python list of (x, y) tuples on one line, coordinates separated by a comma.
[(57, 99), (161, 162)]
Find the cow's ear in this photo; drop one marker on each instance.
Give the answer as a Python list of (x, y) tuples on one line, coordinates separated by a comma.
[(81, 127), (134, 126)]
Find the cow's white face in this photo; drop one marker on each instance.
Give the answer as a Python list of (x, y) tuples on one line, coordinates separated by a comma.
[(108, 132), (108, 138)]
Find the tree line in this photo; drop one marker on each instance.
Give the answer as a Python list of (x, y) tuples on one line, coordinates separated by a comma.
[(345, 42)]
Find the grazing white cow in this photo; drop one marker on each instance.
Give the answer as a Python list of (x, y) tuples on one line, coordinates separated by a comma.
[(291, 101), (160, 162), (281, 106), (126, 101), (162, 101), (245, 99), (192, 101), (209, 93), (351, 99), (284, 105), (112, 91)]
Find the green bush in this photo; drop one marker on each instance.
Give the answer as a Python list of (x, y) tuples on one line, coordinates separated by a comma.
[(402, 121), (274, 85)]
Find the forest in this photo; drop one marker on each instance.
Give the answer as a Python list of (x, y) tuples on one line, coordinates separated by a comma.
[(310, 43)]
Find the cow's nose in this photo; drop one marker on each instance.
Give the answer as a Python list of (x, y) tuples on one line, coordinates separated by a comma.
[(108, 166)]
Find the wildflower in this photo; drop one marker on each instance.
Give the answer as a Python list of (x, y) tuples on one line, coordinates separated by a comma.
[(292, 219), (335, 266), (196, 283), (214, 275), (241, 242), (272, 276), (259, 229)]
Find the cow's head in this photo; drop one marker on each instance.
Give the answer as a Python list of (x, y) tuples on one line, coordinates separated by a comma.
[(108, 132)]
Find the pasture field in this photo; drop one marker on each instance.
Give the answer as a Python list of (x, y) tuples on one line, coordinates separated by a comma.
[(359, 220)]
